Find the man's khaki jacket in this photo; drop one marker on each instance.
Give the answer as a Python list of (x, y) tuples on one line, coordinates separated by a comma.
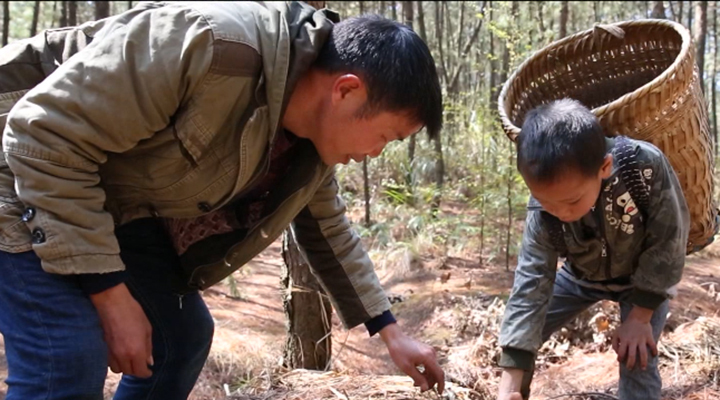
[(169, 111)]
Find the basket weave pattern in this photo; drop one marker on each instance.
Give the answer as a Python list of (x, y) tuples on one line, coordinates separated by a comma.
[(641, 80)]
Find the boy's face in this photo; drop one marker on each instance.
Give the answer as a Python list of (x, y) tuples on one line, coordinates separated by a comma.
[(571, 195)]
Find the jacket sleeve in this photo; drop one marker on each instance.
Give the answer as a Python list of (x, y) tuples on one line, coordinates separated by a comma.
[(524, 318), (662, 258), (337, 258), (117, 91)]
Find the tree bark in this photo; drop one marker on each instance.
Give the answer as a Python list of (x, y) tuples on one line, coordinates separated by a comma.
[(393, 10), (658, 10), (63, 14), (72, 13), (596, 10), (409, 17), (308, 344), (700, 31), (690, 15), (36, 16), (130, 5), (102, 9), (564, 13), (6, 23), (713, 86)]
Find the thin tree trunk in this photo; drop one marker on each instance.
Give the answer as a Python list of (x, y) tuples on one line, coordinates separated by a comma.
[(564, 13), (700, 31), (130, 5), (409, 16), (63, 14), (72, 13), (596, 10), (308, 344), (102, 9), (713, 86), (393, 10), (541, 21), (54, 13), (690, 15), (493, 65), (673, 13), (680, 11), (382, 8), (658, 10), (6, 23), (36, 16)]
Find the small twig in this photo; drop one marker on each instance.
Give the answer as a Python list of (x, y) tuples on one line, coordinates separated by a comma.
[(605, 395)]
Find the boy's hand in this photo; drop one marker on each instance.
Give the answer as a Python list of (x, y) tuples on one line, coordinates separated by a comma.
[(634, 337), (510, 383), (408, 354)]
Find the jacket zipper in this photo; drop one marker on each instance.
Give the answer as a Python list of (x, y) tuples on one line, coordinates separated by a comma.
[(605, 246)]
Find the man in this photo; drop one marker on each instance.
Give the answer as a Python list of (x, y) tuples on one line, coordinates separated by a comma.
[(161, 149)]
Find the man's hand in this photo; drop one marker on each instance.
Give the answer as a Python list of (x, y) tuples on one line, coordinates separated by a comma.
[(509, 388), (407, 354), (633, 338), (128, 332)]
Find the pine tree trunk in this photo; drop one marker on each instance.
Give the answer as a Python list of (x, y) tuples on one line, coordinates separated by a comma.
[(63, 14), (102, 9), (6, 23), (564, 13), (72, 13), (713, 86), (700, 32), (658, 10), (308, 343), (36, 16)]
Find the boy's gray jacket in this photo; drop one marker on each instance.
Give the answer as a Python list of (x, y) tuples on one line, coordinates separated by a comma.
[(169, 110), (614, 243)]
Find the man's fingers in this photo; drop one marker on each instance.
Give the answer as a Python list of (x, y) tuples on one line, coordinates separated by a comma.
[(114, 365), (148, 349), (140, 368), (438, 376), (632, 350), (417, 377)]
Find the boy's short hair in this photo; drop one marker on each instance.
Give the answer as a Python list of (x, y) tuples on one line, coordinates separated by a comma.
[(395, 64), (557, 137)]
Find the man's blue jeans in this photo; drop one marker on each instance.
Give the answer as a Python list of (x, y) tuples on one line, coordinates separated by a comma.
[(570, 299), (53, 338)]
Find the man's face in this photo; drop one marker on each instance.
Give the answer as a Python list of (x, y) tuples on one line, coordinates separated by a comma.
[(571, 195), (345, 130), (353, 138)]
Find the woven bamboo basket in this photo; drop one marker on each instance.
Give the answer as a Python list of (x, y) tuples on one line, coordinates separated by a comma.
[(641, 80)]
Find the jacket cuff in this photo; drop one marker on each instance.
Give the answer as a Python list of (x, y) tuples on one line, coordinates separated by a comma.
[(517, 359), (645, 299), (376, 324), (96, 283)]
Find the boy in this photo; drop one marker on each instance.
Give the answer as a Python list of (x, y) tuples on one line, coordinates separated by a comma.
[(584, 189)]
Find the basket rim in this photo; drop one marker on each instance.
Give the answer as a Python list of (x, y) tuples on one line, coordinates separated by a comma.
[(512, 130)]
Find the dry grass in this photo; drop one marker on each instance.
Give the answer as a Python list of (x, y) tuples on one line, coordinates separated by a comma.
[(303, 384)]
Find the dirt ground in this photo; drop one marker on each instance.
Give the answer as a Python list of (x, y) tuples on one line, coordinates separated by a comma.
[(250, 327)]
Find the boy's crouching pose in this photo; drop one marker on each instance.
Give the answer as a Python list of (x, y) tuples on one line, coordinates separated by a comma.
[(615, 209)]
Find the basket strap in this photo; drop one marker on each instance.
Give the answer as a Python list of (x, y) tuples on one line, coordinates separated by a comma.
[(631, 174)]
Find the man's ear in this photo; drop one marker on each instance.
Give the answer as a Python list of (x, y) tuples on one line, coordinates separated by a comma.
[(606, 168), (348, 87)]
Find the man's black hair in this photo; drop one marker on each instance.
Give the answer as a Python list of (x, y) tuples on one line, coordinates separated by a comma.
[(560, 136), (393, 61)]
